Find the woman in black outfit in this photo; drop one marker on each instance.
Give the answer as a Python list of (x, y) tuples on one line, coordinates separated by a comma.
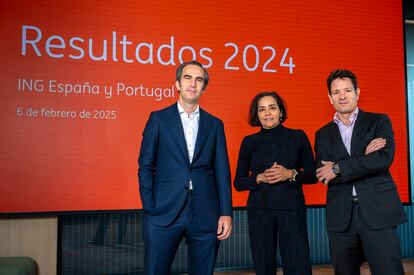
[(273, 164)]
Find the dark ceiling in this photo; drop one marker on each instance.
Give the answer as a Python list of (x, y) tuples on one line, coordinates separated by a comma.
[(409, 9)]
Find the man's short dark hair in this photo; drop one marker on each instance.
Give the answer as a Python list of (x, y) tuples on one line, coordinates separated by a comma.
[(254, 119), (180, 68), (341, 73)]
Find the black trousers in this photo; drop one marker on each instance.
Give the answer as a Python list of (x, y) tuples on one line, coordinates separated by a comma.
[(265, 225), (380, 247)]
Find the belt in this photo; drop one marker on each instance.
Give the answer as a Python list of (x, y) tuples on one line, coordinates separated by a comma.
[(355, 200)]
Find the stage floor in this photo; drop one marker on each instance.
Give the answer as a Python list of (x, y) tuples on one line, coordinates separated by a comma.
[(328, 270)]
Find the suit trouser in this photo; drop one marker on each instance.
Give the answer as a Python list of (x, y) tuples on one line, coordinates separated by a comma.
[(264, 227), (161, 244), (380, 247)]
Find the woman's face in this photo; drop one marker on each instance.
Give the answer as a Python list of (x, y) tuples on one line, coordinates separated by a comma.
[(268, 112)]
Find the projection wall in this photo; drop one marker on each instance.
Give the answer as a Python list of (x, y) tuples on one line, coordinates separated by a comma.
[(79, 79)]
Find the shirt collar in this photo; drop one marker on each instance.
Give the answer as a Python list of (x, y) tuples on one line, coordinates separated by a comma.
[(181, 110), (352, 117)]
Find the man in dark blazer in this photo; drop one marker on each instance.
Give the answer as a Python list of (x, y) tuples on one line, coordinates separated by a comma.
[(184, 179), (363, 208)]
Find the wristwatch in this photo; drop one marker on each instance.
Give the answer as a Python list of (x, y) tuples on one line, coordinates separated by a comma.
[(335, 169), (294, 174)]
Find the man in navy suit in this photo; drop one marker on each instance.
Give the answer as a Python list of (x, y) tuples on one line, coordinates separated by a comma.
[(363, 208), (184, 179)]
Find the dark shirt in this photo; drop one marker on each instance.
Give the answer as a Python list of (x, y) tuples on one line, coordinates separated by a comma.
[(289, 148)]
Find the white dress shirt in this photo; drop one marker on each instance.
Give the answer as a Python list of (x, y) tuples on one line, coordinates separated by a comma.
[(190, 122)]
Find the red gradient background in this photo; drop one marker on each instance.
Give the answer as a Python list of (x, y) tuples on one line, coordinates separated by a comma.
[(57, 164)]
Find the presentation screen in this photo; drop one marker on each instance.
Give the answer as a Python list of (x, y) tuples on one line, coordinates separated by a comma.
[(80, 78)]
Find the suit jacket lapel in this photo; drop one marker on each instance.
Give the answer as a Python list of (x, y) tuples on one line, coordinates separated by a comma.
[(203, 130), (336, 135), (358, 129), (176, 127)]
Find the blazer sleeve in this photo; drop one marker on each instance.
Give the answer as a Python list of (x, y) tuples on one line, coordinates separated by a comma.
[(147, 163), (362, 165), (322, 152), (374, 162), (222, 173)]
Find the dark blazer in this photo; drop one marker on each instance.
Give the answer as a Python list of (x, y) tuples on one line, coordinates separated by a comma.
[(376, 190), (165, 170)]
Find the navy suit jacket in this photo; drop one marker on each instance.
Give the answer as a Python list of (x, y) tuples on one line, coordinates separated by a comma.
[(165, 170), (377, 193)]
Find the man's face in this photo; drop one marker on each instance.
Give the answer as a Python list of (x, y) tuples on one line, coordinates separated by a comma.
[(343, 96), (191, 84)]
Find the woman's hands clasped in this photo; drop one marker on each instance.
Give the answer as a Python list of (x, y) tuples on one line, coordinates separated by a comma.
[(276, 173)]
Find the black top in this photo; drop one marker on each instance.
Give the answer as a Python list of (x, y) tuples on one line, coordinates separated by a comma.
[(287, 147)]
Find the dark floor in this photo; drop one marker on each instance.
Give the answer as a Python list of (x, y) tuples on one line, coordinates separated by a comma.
[(327, 270)]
